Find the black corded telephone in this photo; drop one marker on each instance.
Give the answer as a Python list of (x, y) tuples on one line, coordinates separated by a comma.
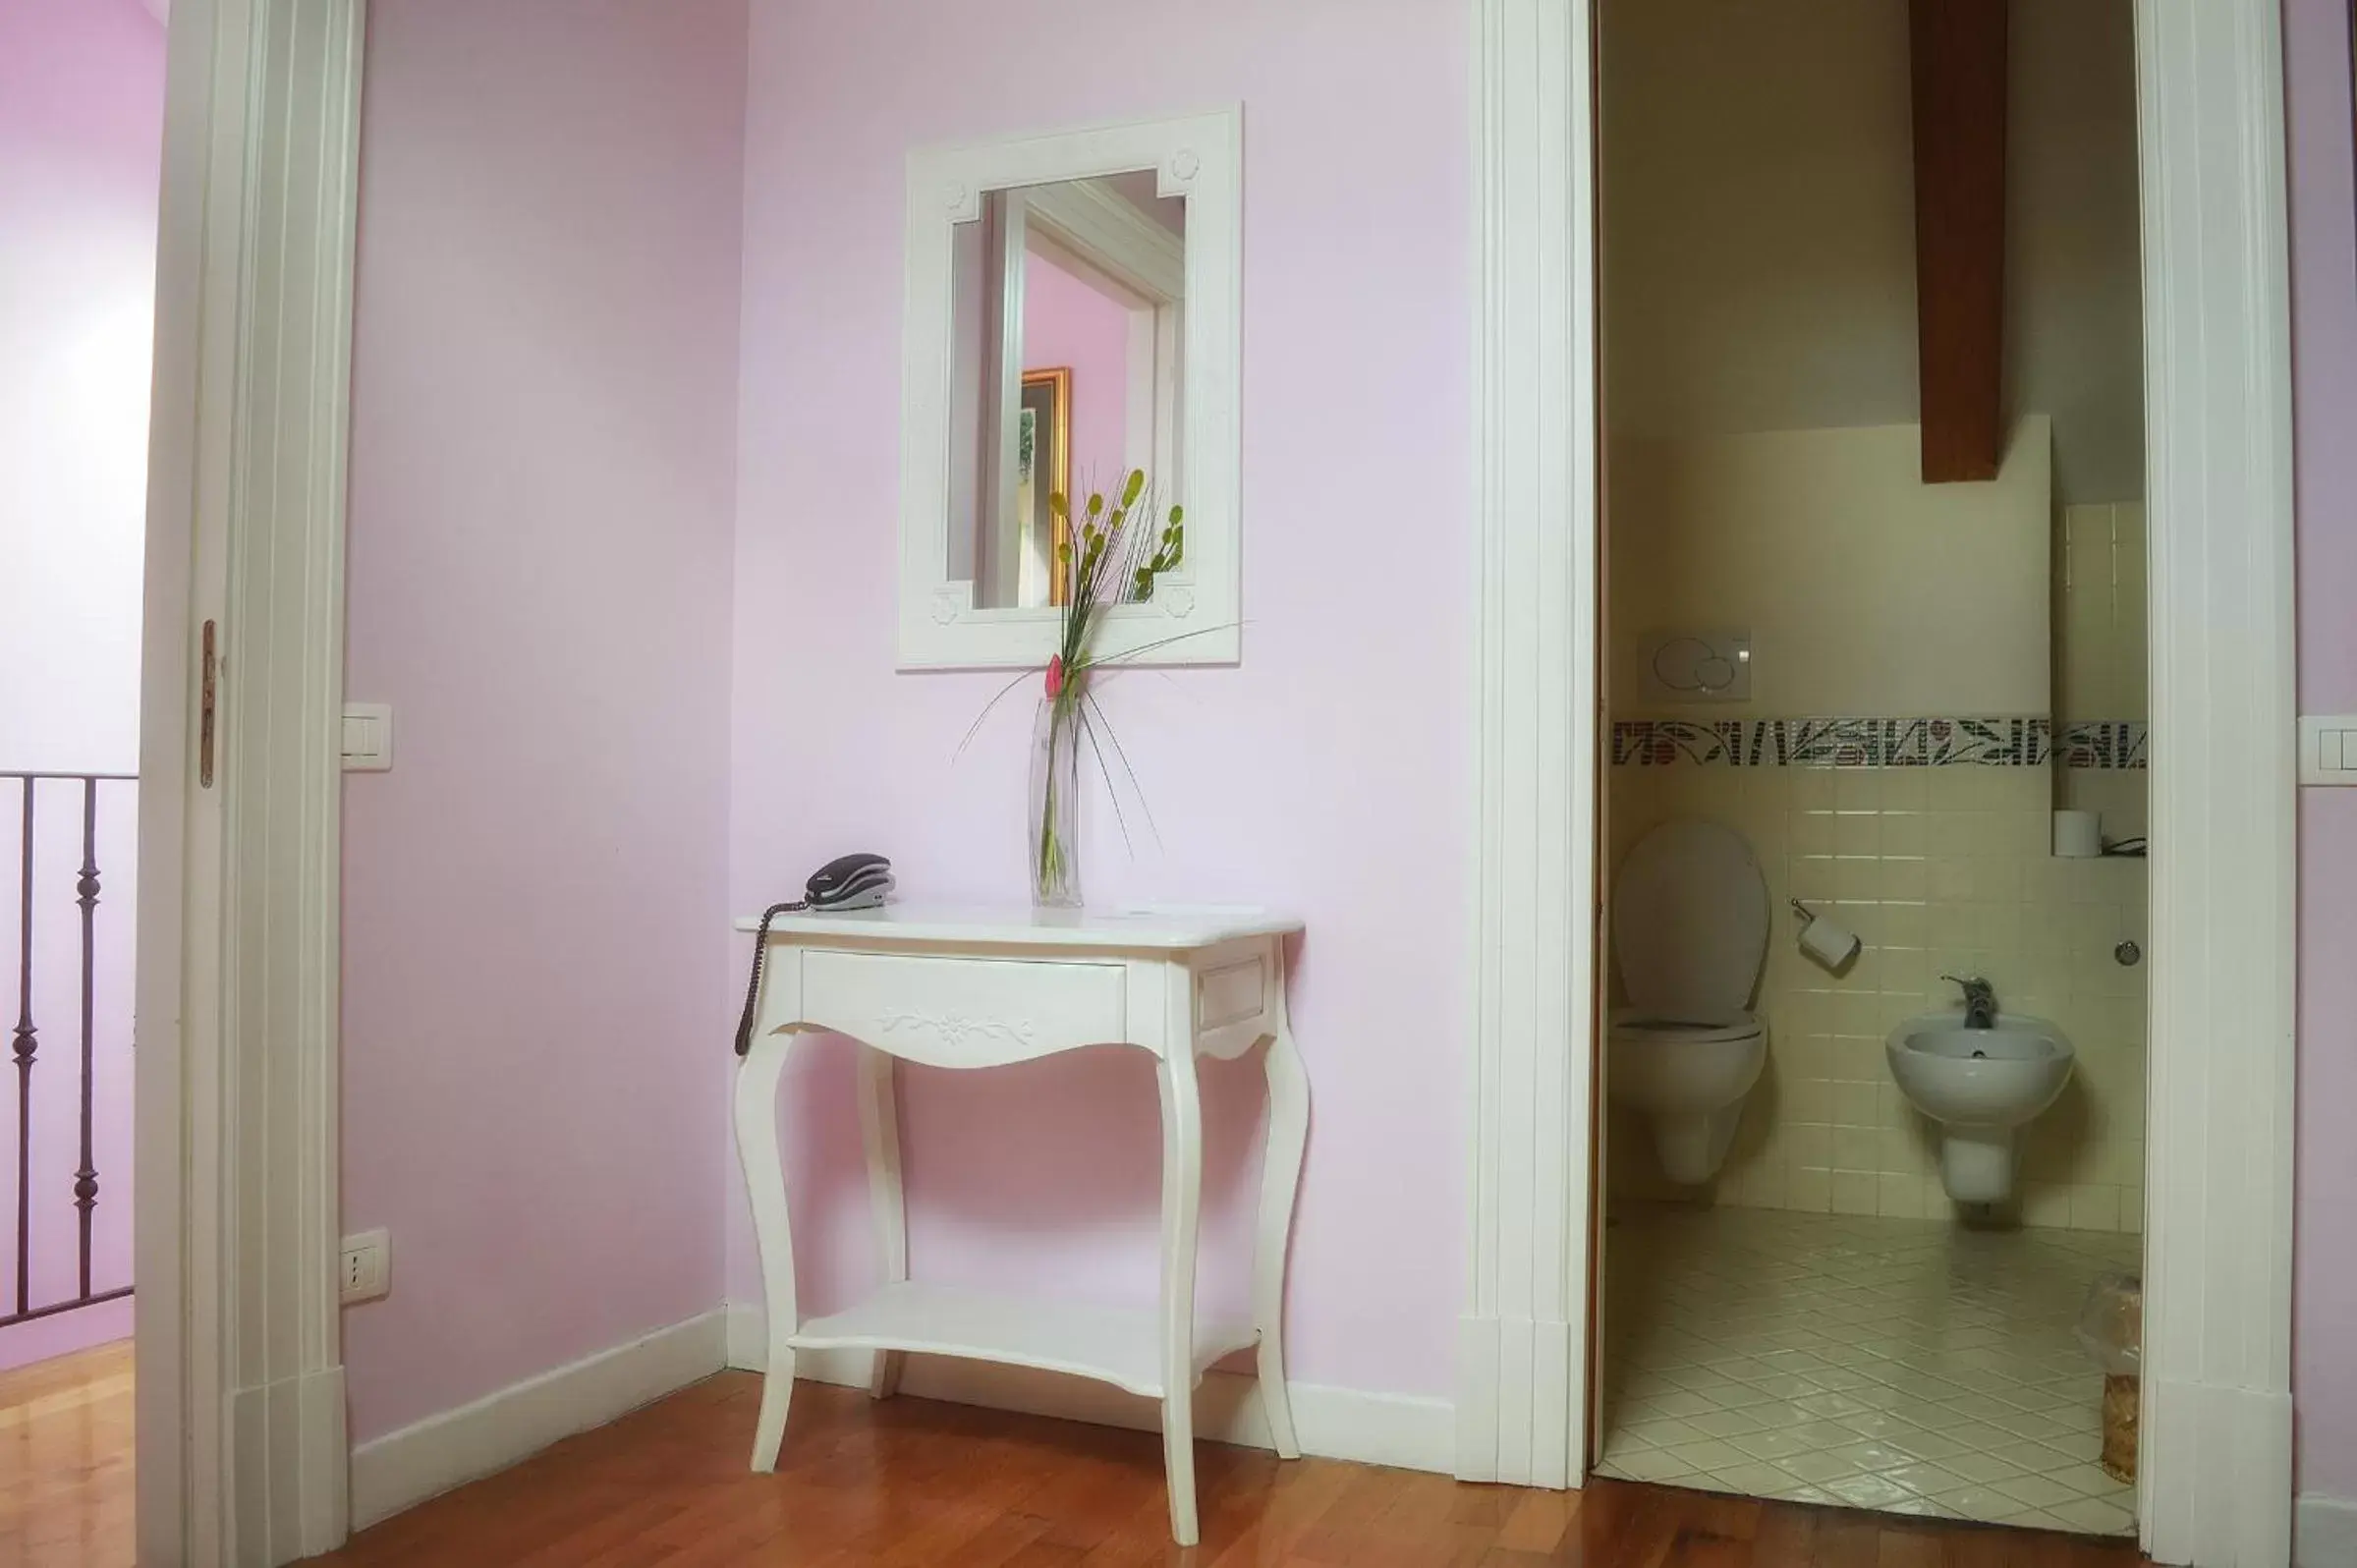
[(849, 882)]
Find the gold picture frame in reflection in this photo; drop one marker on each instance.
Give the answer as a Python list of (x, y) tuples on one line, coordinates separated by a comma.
[(1047, 417)]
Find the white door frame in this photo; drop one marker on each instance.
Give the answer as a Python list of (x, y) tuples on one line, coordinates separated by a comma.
[(2216, 1451), (242, 1456)]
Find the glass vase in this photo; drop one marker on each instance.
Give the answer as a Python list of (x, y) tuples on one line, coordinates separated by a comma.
[(1055, 794)]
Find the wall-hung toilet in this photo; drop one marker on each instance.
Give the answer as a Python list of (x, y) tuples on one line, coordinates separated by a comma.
[(1689, 934)]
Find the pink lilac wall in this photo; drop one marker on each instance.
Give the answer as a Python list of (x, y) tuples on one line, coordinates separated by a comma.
[(1068, 324), (2324, 386), (536, 987), (541, 530), (82, 92), (1326, 773)]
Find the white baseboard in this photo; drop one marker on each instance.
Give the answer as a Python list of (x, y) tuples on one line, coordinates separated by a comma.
[(2324, 1533), (1399, 1430), (403, 1469)]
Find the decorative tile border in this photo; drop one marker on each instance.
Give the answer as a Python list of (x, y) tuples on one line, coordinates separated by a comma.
[(2105, 743), (2017, 741)]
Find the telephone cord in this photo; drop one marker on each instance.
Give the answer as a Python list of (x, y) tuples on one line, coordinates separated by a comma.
[(761, 952)]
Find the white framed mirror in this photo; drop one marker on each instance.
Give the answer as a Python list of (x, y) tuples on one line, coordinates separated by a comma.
[(1072, 315)]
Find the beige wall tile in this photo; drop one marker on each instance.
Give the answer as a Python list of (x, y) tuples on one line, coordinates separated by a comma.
[(2043, 930), (1855, 1191)]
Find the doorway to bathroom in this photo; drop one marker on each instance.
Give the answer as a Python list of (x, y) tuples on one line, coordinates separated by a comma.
[(1873, 806)]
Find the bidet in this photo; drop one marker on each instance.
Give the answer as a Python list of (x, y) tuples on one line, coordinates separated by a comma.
[(1980, 1082)]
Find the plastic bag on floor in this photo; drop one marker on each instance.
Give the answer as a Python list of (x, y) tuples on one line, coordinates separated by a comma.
[(2112, 1325), (2112, 1330)]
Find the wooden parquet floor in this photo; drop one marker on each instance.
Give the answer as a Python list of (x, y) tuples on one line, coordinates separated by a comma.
[(909, 1482), (64, 1461)]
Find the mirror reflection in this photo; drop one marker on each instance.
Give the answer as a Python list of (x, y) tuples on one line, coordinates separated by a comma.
[(1067, 324)]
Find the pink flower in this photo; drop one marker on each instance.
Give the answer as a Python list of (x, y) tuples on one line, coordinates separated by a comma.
[(1055, 676)]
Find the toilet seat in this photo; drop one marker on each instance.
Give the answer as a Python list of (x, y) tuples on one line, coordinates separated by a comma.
[(1635, 1027), (1689, 937), (1690, 925)]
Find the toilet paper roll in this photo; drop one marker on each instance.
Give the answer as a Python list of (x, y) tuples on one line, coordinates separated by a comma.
[(2078, 835), (1829, 944)]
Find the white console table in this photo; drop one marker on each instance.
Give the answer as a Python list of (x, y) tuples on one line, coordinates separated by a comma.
[(972, 990)]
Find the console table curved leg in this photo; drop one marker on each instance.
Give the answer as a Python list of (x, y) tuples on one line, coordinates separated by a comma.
[(879, 1133), (1280, 1180), (1182, 1195), (766, 1183)]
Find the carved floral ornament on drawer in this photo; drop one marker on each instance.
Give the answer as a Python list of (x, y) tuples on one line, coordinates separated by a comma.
[(956, 1029)]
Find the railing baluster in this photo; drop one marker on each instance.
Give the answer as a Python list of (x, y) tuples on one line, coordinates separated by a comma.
[(24, 1047), (85, 1180)]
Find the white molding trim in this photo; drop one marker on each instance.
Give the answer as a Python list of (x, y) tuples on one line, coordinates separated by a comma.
[(1522, 1344), (2217, 1462), (404, 1468), (1103, 234), (1397, 1429), (1199, 157), (2324, 1532), (242, 1439)]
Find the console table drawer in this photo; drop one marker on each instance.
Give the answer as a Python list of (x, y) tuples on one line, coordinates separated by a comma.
[(964, 1012)]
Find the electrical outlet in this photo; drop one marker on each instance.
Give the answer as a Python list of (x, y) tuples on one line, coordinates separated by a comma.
[(368, 1266)]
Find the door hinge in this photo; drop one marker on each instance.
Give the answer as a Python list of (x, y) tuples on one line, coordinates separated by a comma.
[(205, 705)]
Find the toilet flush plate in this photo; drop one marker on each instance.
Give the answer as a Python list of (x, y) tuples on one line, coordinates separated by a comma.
[(1682, 666)]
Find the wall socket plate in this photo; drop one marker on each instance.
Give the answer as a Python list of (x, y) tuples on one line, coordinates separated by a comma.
[(368, 1267)]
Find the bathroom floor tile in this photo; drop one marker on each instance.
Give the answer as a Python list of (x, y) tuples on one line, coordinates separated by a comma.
[(1981, 1469), (1725, 1423), (1813, 1468), (1756, 1480), (1778, 1445), (2088, 1481), (1651, 1464), (1979, 1502), (1868, 1492), (1711, 1454), (1881, 1423), (1667, 1433), (2099, 1515), (1928, 1445), (2036, 1491), (1909, 1366), (2036, 1459), (1866, 1458), (1928, 1481)]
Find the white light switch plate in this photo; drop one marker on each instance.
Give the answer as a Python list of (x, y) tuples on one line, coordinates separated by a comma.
[(2328, 748), (368, 1266), (367, 737)]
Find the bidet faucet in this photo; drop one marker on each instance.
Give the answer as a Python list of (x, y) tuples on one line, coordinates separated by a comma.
[(1979, 1001)]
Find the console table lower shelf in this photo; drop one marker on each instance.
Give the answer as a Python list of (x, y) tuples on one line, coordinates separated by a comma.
[(967, 991), (1111, 1344)]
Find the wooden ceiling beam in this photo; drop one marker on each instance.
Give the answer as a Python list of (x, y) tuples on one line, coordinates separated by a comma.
[(1958, 49)]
